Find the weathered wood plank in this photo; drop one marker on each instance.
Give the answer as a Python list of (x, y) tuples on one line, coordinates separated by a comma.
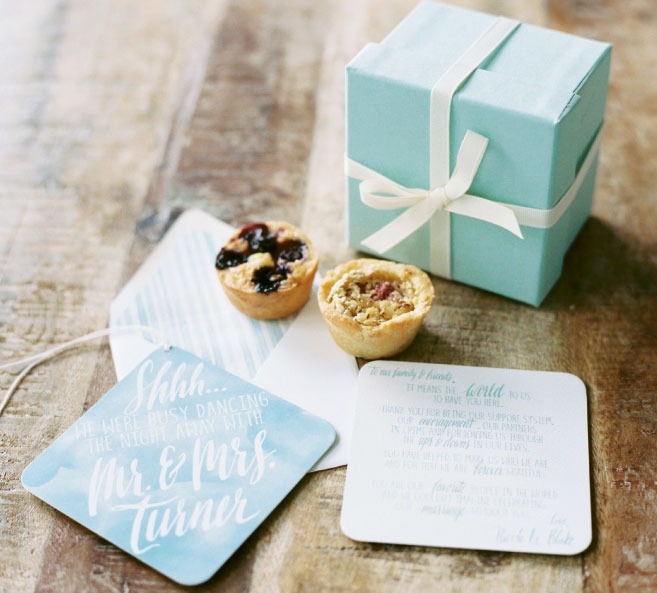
[(611, 284), (87, 91), (247, 146)]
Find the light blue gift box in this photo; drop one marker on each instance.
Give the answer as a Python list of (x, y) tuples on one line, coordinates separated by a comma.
[(539, 99)]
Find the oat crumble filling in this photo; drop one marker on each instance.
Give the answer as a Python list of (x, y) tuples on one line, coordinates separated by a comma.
[(371, 300)]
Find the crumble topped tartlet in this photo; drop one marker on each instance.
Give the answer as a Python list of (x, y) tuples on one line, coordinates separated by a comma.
[(374, 308), (267, 269)]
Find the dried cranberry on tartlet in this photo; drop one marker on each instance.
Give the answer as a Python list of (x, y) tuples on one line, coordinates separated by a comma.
[(374, 308)]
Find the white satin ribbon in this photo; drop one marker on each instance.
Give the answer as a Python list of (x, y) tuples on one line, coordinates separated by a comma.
[(422, 204), (507, 216), (544, 219)]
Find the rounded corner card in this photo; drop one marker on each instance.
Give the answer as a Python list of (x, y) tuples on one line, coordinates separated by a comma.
[(179, 463), (468, 457)]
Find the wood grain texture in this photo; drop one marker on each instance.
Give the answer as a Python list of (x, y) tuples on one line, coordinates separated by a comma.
[(117, 115)]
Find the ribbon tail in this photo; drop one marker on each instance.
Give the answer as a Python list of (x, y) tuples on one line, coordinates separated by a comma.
[(488, 211), (472, 149), (400, 228)]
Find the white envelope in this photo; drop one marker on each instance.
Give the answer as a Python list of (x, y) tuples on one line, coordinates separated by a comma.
[(176, 291)]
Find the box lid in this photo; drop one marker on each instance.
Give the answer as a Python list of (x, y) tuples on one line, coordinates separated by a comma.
[(539, 98)]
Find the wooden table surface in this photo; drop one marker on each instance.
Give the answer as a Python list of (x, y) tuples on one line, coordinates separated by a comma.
[(117, 115)]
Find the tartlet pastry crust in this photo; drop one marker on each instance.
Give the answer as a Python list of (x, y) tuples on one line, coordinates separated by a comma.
[(374, 308), (293, 279)]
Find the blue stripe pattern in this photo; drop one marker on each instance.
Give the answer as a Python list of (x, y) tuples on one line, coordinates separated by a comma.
[(183, 299)]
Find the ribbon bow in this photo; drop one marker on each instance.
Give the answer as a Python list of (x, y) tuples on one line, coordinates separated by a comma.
[(422, 204)]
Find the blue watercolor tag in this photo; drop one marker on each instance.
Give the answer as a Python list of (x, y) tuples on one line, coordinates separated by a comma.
[(179, 463)]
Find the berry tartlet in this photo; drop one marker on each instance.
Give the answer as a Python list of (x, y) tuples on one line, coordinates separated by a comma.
[(374, 308), (267, 269)]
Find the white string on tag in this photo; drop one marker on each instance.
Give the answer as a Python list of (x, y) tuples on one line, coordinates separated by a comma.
[(36, 359)]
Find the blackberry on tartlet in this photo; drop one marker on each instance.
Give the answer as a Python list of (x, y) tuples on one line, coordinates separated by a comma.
[(267, 269)]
